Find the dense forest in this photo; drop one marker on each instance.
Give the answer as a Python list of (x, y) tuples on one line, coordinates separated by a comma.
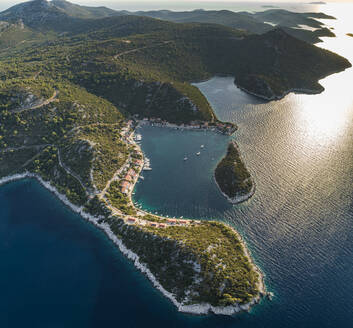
[(231, 174), (144, 66)]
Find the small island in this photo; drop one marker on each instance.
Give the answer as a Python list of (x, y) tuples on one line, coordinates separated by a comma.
[(233, 178)]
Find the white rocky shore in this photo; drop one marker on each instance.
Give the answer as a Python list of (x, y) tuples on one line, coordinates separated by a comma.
[(237, 199), (197, 309)]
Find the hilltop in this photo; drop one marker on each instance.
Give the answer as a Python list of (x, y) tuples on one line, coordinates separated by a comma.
[(36, 12), (84, 11)]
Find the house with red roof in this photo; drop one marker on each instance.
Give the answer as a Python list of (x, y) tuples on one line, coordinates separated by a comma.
[(125, 187), (131, 172), (128, 177)]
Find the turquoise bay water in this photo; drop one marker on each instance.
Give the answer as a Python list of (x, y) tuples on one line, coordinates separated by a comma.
[(59, 271), (187, 186)]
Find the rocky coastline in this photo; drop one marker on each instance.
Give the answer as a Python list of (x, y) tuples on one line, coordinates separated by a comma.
[(280, 96), (196, 309), (237, 199)]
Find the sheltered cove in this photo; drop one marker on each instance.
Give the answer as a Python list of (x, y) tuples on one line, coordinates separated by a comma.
[(202, 308)]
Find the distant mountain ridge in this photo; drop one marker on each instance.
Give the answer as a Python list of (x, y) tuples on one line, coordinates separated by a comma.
[(223, 17), (62, 15), (258, 23)]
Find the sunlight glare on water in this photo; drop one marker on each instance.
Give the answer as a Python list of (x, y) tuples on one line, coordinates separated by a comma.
[(327, 117), (298, 224)]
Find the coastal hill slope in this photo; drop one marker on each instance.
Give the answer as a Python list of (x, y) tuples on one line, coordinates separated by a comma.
[(286, 64), (152, 62)]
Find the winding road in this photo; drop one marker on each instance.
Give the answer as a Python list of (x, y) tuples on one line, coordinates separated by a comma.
[(142, 48)]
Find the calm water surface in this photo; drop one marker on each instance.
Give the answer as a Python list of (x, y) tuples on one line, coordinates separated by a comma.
[(299, 223), (59, 271)]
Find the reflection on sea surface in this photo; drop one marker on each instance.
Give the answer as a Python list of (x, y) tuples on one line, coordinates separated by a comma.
[(299, 223)]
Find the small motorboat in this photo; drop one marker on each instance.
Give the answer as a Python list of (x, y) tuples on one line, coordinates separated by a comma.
[(198, 153), (270, 296)]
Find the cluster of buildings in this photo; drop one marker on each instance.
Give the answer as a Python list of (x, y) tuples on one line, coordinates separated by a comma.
[(127, 181), (126, 128), (138, 162), (133, 220), (176, 222), (225, 128), (170, 222)]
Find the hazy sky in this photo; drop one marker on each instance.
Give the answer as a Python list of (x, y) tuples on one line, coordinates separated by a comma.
[(171, 4)]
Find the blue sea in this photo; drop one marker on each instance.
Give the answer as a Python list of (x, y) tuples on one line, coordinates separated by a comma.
[(57, 270)]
